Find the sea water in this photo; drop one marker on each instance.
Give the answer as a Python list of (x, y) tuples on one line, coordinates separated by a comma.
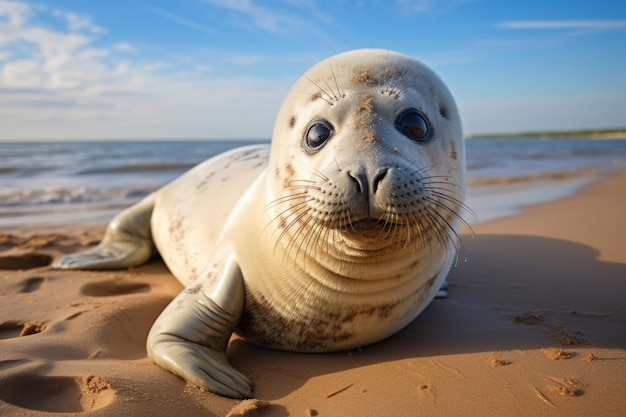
[(88, 182)]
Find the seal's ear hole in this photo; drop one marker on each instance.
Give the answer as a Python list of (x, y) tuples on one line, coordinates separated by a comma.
[(414, 125), (443, 111), (316, 135)]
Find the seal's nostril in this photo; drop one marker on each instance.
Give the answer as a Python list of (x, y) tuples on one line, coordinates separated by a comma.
[(378, 179), (357, 181)]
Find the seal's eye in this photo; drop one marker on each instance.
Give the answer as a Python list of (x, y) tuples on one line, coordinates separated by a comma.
[(412, 124), (318, 132)]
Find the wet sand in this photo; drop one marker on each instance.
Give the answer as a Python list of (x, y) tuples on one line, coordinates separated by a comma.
[(535, 324)]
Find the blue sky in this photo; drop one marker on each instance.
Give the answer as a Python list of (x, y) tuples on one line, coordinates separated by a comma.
[(87, 69)]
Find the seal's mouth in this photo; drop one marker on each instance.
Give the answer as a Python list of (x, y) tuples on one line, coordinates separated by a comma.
[(371, 225), (366, 224)]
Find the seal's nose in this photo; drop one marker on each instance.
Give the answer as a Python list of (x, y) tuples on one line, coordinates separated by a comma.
[(362, 181)]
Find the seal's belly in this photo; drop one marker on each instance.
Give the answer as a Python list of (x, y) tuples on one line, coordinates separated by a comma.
[(190, 213)]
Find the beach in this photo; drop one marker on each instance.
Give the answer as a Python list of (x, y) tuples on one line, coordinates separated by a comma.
[(535, 324)]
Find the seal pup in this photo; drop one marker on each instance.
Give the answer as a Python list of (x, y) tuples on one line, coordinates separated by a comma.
[(335, 237)]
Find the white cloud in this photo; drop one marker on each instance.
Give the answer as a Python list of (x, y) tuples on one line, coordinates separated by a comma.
[(276, 20), (22, 74), (223, 108), (124, 47), (15, 12), (56, 84), (415, 5), (247, 59), (77, 22), (563, 24), (48, 59), (453, 57), (437, 6), (202, 68), (180, 20)]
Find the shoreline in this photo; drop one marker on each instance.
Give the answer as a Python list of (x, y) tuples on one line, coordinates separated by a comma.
[(489, 199), (38, 187), (534, 325), (511, 199)]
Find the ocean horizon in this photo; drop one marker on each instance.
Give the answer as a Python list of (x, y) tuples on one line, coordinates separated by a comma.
[(60, 182)]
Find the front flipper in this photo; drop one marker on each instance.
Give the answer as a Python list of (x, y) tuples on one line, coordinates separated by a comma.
[(191, 335), (127, 242)]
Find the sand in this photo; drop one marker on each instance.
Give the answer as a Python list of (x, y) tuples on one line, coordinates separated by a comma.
[(535, 325)]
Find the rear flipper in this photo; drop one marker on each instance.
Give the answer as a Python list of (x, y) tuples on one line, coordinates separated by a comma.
[(443, 290), (127, 242)]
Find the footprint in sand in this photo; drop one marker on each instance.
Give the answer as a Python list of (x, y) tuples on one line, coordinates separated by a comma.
[(11, 329), (114, 287), (25, 261), (57, 394), (31, 284)]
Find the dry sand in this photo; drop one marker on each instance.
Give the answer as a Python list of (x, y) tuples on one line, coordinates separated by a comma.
[(535, 325)]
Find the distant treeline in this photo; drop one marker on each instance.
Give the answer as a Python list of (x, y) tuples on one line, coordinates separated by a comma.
[(587, 134)]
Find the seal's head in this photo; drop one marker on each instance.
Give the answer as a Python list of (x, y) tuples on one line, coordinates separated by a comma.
[(368, 158)]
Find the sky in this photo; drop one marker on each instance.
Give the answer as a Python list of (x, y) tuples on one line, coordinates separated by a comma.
[(218, 69)]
